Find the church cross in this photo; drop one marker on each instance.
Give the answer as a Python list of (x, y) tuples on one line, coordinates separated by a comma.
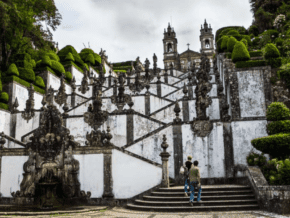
[(188, 45)]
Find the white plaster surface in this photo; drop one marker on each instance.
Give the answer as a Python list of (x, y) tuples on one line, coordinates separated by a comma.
[(143, 126), (78, 128), (78, 75), (80, 110), (208, 151), (11, 174), (157, 103), (213, 110), (108, 93), (107, 105), (181, 83), (192, 110), (213, 91), (251, 93), (167, 115), (139, 104), (91, 173), (150, 148), (243, 132), (118, 126), (132, 176), (22, 95), (176, 95), (166, 89), (5, 124)]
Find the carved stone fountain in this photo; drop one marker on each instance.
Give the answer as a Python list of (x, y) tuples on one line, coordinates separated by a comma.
[(50, 174)]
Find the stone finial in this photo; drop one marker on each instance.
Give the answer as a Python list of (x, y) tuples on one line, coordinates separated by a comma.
[(109, 135), (158, 77), (177, 110), (164, 144), (185, 91), (28, 112), (15, 106), (43, 102), (73, 84), (2, 140)]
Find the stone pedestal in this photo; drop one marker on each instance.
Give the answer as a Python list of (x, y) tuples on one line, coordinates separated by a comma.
[(165, 173)]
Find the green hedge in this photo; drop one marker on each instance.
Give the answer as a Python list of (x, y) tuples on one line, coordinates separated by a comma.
[(90, 59), (240, 53), (22, 82), (68, 76), (4, 97), (39, 82), (231, 44), (57, 67), (254, 159), (24, 64), (254, 63), (285, 75), (277, 111), (4, 106), (258, 53), (277, 145), (69, 57), (27, 74), (98, 58), (274, 62), (224, 30), (70, 63), (45, 61), (53, 56), (245, 42), (271, 51), (256, 41), (224, 43), (254, 30), (64, 51), (120, 71), (12, 70), (281, 126), (123, 68)]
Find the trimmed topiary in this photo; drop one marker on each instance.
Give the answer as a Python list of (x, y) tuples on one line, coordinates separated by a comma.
[(248, 38), (231, 43), (240, 53), (233, 33), (224, 43), (254, 63), (256, 41), (277, 111), (57, 67), (281, 126), (53, 56), (12, 70), (4, 97), (24, 64), (271, 51), (245, 42), (64, 51), (39, 82), (46, 61), (274, 62), (27, 74), (68, 76), (258, 53), (69, 57), (219, 43), (4, 106), (33, 63), (90, 59), (254, 159), (279, 41), (98, 58)]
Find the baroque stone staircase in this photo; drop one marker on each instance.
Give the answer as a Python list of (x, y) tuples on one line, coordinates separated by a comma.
[(214, 198)]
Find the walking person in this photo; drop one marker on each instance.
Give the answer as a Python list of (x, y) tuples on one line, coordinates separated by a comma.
[(188, 164), (194, 177)]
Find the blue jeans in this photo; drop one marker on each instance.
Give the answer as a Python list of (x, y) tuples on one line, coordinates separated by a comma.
[(185, 186), (192, 185)]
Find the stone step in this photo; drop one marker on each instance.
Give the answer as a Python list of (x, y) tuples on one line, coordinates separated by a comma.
[(204, 198), (196, 207), (206, 188), (203, 193), (186, 203)]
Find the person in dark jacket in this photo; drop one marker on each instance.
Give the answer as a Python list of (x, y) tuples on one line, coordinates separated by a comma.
[(188, 164)]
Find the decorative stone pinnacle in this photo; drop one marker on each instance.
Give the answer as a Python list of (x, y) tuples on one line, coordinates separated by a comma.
[(73, 84), (28, 112), (164, 144), (15, 106), (61, 96), (2, 140), (185, 91), (85, 84), (177, 111)]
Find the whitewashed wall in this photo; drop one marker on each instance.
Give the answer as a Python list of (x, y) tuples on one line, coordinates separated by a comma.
[(81, 109), (167, 115), (175, 95), (213, 110), (150, 148), (243, 132), (78, 75), (143, 126), (166, 89), (157, 103), (132, 176), (11, 174), (5, 124), (208, 151), (91, 173), (251, 93)]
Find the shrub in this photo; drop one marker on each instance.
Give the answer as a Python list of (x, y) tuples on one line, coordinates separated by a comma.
[(277, 111), (271, 51), (219, 44), (269, 170), (272, 33), (281, 126), (98, 58), (39, 82), (24, 64), (53, 56), (254, 159), (45, 61), (224, 43), (254, 30), (285, 75), (233, 33), (86, 66), (68, 76), (64, 51), (231, 43), (57, 67), (23, 57), (27, 75), (87, 50), (22, 82), (90, 59), (12, 70), (120, 71), (256, 53), (69, 57), (248, 38), (4, 97), (240, 52), (0, 84), (254, 63), (256, 41), (33, 63), (4, 106), (274, 62), (279, 41), (245, 42)]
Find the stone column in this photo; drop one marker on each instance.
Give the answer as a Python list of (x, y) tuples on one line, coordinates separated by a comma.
[(128, 80), (164, 157), (166, 77), (185, 108), (147, 105), (228, 150), (130, 128), (158, 85), (108, 180), (110, 81)]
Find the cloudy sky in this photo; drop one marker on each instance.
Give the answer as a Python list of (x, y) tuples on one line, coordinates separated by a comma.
[(130, 28)]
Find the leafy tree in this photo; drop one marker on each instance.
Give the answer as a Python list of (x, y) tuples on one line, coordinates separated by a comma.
[(21, 27)]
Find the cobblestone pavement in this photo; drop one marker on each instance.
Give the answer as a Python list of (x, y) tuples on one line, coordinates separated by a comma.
[(118, 212)]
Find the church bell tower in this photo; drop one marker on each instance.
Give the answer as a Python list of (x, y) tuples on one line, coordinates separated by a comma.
[(206, 39), (170, 47)]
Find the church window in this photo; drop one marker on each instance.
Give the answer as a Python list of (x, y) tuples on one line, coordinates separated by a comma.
[(207, 43), (169, 47)]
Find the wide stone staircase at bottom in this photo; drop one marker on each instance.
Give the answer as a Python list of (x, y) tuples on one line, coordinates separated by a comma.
[(214, 198)]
